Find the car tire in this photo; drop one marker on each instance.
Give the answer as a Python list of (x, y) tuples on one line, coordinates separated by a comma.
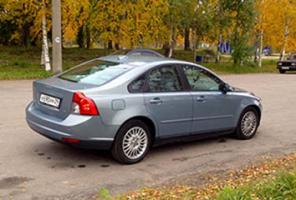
[(132, 142), (248, 124), (282, 71)]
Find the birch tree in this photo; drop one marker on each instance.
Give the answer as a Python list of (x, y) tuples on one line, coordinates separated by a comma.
[(261, 26), (287, 19), (45, 61)]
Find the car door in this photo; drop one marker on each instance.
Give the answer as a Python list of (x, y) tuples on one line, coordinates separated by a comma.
[(168, 102), (213, 110)]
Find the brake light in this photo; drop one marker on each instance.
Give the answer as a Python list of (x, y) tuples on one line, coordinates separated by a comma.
[(71, 140), (83, 105)]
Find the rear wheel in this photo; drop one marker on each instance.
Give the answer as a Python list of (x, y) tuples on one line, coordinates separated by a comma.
[(248, 124), (282, 71), (132, 142)]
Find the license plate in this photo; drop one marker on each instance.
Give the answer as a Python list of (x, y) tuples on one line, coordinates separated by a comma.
[(286, 68), (50, 100)]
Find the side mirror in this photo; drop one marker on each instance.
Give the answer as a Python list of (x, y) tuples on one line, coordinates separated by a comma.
[(224, 87)]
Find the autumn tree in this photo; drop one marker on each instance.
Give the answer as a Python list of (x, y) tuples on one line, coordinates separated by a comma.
[(202, 21), (286, 19), (186, 23), (20, 14), (172, 22), (222, 24), (242, 16), (84, 35), (74, 15), (260, 28)]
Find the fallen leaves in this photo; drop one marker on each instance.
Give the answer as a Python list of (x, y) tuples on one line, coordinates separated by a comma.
[(232, 179)]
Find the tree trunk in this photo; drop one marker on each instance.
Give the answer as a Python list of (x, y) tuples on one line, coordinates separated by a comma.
[(187, 39), (218, 53), (194, 45), (80, 37), (283, 52), (110, 44), (260, 49), (117, 46), (256, 53), (25, 35), (45, 61), (87, 37), (166, 48), (173, 42)]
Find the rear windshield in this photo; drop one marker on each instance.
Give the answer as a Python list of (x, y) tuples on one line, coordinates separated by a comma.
[(95, 72)]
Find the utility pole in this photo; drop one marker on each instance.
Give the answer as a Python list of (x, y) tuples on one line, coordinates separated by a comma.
[(56, 37)]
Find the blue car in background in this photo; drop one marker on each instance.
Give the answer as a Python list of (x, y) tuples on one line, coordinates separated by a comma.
[(129, 103)]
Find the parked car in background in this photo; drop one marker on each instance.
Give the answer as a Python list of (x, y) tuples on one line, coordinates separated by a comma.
[(127, 104), (287, 65)]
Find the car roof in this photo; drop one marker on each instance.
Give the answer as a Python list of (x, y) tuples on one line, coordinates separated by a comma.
[(138, 52), (134, 59), (137, 61)]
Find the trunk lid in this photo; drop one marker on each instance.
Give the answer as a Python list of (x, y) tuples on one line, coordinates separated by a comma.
[(58, 89)]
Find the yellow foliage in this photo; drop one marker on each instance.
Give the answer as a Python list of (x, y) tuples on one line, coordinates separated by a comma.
[(273, 17), (140, 23), (133, 23)]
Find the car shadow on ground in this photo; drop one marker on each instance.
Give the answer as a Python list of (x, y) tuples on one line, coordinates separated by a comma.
[(289, 73), (61, 156)]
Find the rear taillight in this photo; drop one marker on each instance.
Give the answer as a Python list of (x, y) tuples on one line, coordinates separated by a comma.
[(71, 140), (83, 105)]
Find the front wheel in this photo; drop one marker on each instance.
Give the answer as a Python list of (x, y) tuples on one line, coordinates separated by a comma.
[(282, 71), (132, 142), (248, 124)]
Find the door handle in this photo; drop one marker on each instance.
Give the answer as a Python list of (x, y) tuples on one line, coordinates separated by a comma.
[(156, 100), (200, 99)]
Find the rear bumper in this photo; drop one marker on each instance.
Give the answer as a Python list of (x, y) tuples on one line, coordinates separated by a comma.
[(89, 130)]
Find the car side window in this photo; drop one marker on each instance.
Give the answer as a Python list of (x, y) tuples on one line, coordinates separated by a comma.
[(201, 80), (164, 79), (137, 86)]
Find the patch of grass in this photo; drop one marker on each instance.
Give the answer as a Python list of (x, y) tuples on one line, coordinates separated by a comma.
[(282, 186), (270, 179), (24, 63), (9, 73), (268, 66), (104, 194), (234, 194)]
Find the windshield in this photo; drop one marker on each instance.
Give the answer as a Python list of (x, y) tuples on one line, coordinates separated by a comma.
[(95, 72), (292, 57)]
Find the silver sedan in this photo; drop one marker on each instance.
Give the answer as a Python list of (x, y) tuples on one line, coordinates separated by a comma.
[(127, 104)]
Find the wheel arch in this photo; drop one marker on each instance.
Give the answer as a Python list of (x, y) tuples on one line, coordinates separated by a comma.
[(148, 121), (258, 111), (256, 107)]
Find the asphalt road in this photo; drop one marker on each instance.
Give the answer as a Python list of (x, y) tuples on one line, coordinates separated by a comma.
[(33, 167)]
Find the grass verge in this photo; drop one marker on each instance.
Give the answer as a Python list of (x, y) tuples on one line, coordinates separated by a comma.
[(24, 63), (271, 179)]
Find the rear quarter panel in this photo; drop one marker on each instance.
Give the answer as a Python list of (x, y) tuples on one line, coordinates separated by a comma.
[(115, 110)]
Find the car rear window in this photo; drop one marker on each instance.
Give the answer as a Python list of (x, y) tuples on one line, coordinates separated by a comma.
[(95, 72)]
